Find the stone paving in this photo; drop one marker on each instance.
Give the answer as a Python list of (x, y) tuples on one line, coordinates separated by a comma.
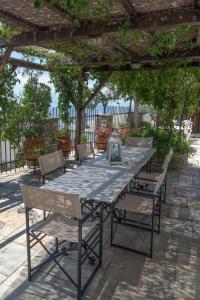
[(173, 273)]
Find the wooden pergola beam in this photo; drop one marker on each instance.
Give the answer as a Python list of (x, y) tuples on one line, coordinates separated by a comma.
[(4, 59), (19, 20), (146, 21), (109, 68), (128, 67), (27, 64), (190, 54)]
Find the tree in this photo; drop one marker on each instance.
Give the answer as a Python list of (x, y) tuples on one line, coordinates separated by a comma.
[(27, 114), (171, 91), (76, 88), (8, 80)]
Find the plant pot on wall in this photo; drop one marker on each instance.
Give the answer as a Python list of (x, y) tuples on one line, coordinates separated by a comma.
[(101, 143), (102, 136), (123, 132), (65, 144)]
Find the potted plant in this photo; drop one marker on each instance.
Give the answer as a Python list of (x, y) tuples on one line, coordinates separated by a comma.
[(24, 127), (64, 141), (32, 143), (102, 136), (123, 130)]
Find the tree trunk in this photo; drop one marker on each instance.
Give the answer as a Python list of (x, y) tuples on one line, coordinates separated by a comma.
[(182, 114), (78, 129), (171, 116), (136, 114)]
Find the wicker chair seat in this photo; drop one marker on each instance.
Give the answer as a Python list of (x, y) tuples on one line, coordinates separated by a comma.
[(136, 204), (63, 228)]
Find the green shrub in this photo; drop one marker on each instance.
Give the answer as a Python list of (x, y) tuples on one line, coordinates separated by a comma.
[(163, 141)]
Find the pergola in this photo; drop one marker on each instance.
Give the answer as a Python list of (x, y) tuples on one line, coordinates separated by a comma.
[(111, 35)]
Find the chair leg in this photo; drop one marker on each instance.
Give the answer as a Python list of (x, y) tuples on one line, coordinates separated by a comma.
[(28, 245), (152, 232), (101, 235), (165, 192), (112, 219), (79, 262)]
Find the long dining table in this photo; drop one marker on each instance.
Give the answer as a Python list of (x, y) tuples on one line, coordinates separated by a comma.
[(98, 180)]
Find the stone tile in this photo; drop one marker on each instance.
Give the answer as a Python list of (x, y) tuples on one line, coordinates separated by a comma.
[(156, 281), (11, 258), (186, 285), (174, 272)]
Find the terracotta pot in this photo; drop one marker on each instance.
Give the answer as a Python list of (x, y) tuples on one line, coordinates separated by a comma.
[(123, 132), (64, 144), (30, 144), (101, 142)]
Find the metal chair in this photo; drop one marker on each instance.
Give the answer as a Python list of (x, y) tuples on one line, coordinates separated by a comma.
[(51, 162), (146, 205), (139, 142), (65, 223), (153, 175), (85, 151)]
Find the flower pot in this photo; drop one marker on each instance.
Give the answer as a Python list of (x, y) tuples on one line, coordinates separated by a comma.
[(102, 142), (64, 144), (123, 132), (30, 144)]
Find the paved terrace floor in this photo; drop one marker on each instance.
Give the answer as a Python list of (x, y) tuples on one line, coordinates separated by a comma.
[(173, 273)]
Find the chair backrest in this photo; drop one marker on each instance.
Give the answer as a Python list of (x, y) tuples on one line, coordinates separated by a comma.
[(139, 142), (167, 159), (84, 150), (50, 162), (51, 201)]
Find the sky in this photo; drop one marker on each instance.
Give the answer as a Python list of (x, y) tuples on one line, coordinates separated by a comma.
[(44, 78)]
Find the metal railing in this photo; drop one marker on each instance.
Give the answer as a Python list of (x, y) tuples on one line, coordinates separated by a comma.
[(8, 155)]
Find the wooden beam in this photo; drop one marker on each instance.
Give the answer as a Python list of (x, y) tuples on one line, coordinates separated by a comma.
[(109, 68), (19, 20), (177, 57), (128, 67), (147, 21), (190, 54), (27, 64), (130, 9), (4, 59)]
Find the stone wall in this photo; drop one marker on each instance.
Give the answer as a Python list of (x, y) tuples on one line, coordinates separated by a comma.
[(104, 121), (51, 134)]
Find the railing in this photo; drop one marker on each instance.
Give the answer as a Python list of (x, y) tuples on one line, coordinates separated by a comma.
[(8, 160), (7, 157)]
